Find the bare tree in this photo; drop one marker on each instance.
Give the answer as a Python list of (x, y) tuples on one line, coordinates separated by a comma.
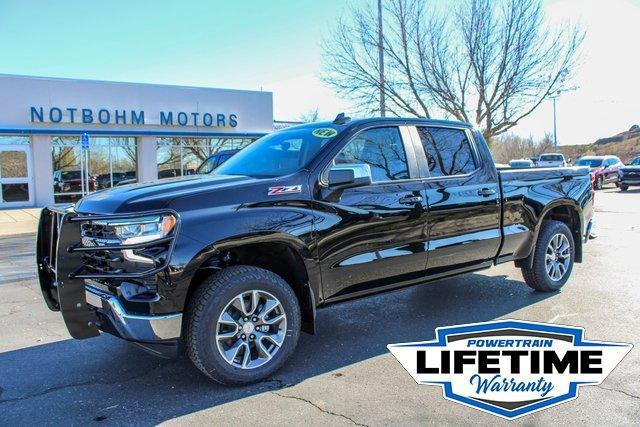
[(511, 147), (310, 116), (491, 63)]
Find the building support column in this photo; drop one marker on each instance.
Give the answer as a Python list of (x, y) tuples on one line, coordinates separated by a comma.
[(42, 170), (147, 158)]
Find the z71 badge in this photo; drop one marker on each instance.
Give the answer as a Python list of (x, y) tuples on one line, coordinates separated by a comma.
[(284, 189)]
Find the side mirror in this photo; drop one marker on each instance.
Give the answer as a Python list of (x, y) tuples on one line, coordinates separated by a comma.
[(349, 176)]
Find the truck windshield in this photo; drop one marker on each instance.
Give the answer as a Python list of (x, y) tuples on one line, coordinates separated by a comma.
[(592, 163), (551, 158), (279, 153), (71, 175)]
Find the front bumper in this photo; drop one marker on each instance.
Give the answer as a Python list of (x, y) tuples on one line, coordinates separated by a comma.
[(66, 264), (628, 181), (113, 318), (589, 231)]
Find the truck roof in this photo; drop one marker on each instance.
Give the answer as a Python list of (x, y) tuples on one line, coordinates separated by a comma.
[(407, 120)]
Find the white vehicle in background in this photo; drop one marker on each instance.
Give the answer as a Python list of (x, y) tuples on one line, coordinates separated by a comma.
[(521, 164), (551, 160)]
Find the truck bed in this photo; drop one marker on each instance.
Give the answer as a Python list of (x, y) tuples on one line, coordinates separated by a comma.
[(530, 194)]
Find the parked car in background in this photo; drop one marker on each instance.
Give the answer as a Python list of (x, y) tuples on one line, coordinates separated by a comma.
[(116, 178), (629, 175), (551, 160), (215, 160), (521, 163), (175, 173), (71, 181), (605, 168), (535, 160)]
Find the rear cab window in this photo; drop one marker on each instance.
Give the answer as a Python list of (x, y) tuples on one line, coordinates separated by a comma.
[(448, 150)]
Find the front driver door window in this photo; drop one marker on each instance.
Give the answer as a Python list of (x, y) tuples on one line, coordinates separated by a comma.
[(382, 150), (373, 236)]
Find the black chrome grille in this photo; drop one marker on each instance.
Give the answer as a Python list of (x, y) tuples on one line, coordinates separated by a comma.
[(97, 230), (94, 249)]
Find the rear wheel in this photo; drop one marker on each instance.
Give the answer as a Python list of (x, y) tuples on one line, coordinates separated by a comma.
[(243, 324), (599, 183), (552, 259)]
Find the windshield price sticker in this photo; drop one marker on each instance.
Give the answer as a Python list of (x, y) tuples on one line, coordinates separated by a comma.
[(510, 368), (324, 132)]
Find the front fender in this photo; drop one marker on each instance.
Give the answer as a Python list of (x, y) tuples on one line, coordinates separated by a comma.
[(206, 237)]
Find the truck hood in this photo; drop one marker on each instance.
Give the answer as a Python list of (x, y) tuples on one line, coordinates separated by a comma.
[(154, 195)]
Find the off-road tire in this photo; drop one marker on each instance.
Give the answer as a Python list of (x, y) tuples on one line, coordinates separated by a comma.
[(536, 276), (205, 307)]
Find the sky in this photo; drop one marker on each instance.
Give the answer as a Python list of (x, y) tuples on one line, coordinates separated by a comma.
[(276, 46)]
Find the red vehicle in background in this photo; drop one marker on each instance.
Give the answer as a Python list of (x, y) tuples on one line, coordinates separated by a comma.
[(603, 168), (71, 181)]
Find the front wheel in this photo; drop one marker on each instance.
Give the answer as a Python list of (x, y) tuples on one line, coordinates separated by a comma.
[(243, 324), (552, 259), (624, 187)]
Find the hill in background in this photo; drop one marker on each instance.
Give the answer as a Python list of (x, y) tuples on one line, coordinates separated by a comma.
[(625, 145)]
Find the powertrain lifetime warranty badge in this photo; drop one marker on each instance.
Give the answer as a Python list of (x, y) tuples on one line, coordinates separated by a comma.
[(510, 368)]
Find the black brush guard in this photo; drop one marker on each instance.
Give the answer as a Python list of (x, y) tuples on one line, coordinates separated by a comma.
[(62, 270)]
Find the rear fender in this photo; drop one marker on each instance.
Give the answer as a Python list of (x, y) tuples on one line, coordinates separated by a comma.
[(547, 214)]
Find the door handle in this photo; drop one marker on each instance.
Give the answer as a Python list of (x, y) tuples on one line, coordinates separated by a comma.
[(486, 192), (410, 200)]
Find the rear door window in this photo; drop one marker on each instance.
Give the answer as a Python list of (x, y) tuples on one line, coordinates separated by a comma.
[(448, 151)]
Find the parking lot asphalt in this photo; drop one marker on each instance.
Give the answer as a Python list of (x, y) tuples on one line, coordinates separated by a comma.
[(342, 375)]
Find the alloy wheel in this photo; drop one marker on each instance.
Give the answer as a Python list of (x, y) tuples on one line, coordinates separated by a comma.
[(558, 257), (251, 329)]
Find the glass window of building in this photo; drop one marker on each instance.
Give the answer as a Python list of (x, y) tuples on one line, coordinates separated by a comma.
[(178, 156), (110, 161), (14, 140), (15, 179)]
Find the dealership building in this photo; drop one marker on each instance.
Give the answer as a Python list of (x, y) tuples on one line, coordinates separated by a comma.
[(62, 138)]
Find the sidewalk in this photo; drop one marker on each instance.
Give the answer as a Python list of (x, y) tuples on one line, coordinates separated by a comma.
[(19, 221)]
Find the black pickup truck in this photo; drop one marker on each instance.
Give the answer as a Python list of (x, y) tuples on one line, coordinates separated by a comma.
[(233, 265)]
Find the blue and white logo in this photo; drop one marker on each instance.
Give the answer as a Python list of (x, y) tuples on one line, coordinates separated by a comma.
[(510, 368)]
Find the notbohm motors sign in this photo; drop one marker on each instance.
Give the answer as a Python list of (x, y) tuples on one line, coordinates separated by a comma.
[(510, 368)]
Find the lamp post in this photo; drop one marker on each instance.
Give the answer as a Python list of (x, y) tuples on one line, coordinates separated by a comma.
[(554, 98), (381, 59)]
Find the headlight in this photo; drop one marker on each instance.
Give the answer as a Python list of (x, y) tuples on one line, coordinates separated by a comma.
[(140, 230), (143, 229)]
